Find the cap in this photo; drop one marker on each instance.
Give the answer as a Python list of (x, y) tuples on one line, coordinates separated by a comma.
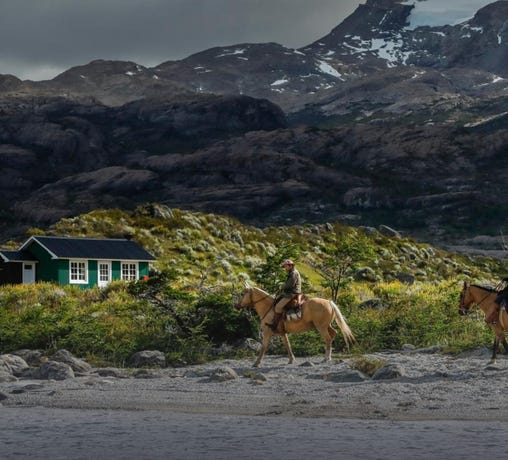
[(287, 262)]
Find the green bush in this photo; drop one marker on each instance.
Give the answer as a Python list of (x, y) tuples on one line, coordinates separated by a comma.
[(423, 314), (221, 322)]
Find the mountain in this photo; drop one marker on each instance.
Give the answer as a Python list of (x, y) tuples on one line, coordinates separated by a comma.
[(379, 121)]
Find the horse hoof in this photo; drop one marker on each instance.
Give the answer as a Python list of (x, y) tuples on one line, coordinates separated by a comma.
[(255, 365)]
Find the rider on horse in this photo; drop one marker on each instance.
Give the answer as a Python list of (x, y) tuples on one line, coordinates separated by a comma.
[(502, 298), (291, 287)]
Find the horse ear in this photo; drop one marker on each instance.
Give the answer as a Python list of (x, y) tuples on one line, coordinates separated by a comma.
[(246, 285)]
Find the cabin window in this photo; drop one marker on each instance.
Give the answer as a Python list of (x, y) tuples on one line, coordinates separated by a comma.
[(129, 271), (78, 273)]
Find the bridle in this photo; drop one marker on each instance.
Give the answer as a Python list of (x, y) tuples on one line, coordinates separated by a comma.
[(252, 302), (463, 309)]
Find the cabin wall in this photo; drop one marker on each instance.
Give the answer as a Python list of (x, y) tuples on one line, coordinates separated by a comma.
[(11, 273)]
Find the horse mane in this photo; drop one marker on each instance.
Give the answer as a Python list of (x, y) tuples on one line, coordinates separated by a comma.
[(259, 289), (485, 288)]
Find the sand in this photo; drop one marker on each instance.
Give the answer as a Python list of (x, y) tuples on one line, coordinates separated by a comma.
[(439, 407), (431, 386)]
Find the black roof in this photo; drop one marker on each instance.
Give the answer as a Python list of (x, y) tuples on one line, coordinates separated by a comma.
[(16, 256), (91, 248)]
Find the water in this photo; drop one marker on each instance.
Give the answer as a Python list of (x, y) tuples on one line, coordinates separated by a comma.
[(70, 434)]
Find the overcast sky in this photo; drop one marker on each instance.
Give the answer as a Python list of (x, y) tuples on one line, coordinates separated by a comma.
[(41, 38)]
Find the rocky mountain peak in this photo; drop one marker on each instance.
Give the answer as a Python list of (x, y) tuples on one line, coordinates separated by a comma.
[(494, 15), (100, 70), (415, 119), (9, 82), (375, 18)]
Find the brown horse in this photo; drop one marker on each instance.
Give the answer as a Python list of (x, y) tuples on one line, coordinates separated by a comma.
[(496, 318), (318, 313)]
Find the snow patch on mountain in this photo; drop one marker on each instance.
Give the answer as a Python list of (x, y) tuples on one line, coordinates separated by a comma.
[(327, 68), (440, 13)]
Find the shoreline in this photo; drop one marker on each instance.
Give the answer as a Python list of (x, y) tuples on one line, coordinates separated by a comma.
[(428, 386)]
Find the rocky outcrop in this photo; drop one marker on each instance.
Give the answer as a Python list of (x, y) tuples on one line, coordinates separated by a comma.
[(50, 140), (425, 177)]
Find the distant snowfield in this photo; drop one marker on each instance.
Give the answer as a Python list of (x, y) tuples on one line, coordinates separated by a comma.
[(443, 12)]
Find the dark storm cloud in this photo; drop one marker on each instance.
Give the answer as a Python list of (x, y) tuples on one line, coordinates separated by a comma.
[(39, 38)]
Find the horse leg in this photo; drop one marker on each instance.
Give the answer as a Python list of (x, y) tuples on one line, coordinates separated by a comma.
[(505, 344), (494, 350), (264, 345), (288, 348), (327, 339)]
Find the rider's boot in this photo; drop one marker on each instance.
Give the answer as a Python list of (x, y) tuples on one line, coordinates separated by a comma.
[(276, 319)]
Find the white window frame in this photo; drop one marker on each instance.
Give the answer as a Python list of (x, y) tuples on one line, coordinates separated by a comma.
[(128, 274), (81, 268)]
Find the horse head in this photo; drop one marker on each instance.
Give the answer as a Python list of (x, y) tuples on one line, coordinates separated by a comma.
[(466, 299), (244, 298)]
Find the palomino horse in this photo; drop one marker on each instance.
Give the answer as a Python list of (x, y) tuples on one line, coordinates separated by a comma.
[(484, 297), (318, 313)]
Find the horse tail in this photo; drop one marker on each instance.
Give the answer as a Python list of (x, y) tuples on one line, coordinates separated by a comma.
[(349, 338)]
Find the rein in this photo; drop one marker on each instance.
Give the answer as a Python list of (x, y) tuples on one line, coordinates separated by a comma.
[(481, 301), (489, 292), (252, 302)]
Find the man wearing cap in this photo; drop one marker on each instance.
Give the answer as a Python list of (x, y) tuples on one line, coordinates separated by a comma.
[(291, 287)]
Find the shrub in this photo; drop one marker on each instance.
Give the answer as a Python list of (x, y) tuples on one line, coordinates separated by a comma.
[(221, 322)]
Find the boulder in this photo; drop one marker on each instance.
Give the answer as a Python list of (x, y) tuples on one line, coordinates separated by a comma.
[(148, 358), (13, 364), (32, 357), (54, 370), (388, 231), (77, 365), (390, 371), (223, 374), (6, 377)]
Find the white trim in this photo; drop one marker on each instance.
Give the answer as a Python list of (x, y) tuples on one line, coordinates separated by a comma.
[(78, 281), (7, 260), (34, 238), (129, 262), (108, 263)]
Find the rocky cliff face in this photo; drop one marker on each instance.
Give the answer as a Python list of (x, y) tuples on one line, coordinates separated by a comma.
[(379, 123)]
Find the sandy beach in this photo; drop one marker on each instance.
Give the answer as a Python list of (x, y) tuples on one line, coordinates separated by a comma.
[(435, 393), (431, 386)]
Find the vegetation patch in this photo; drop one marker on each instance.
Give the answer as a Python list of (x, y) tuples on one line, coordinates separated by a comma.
[(186, 307)]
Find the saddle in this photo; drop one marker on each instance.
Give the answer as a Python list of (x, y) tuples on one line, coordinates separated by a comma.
[(293, 309), (496, 314)]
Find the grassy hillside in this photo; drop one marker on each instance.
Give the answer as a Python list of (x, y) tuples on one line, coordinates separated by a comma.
[(207, 250), (392, 290)]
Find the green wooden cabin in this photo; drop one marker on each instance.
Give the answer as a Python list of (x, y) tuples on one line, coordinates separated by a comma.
[(85, 262)]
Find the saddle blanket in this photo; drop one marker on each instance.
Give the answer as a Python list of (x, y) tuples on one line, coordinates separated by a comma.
[(293, 314)]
